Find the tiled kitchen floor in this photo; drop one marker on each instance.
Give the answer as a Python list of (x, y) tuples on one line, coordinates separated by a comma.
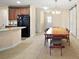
[(33, 48)]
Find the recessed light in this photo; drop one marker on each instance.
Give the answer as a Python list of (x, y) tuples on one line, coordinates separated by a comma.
[(53, 12), (58, 12), (76, 1), (18, 2), (45, 8)]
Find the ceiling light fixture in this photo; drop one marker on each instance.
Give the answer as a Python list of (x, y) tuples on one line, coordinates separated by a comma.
[(53, 12), (18, 2), (76, 1), (56, 12), (45, 8)]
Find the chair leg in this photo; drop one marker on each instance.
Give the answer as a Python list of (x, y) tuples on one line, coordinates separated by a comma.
[(45, 42), (50, 51), (50, 47), (68, 40), (61, 51)]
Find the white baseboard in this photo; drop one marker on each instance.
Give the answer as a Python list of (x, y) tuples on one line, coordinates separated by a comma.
[(2, 49), (32, 35), (74, 35)]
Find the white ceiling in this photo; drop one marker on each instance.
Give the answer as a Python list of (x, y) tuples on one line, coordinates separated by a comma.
[(60, 4)]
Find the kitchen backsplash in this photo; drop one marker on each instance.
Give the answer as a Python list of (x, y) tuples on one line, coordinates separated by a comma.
[(13, 22)]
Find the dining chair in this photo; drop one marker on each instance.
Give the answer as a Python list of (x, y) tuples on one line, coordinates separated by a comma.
[(46, 29), (47, 37), (67, 37), (56, 43)]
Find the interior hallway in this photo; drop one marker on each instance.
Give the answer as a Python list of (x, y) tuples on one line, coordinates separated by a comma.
[(33, 48)]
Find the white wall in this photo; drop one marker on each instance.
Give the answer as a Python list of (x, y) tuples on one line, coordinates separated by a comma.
[(73, 21), (65, 19), (78, 20), (4, 15), (37, 20), (40, 26), (59, 19), (32, 20)]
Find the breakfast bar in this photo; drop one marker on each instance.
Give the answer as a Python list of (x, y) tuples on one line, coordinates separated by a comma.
[(10, 37)]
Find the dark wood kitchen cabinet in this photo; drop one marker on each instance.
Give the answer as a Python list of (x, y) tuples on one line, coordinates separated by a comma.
[(14, 11), (12, 14), (25, 11)]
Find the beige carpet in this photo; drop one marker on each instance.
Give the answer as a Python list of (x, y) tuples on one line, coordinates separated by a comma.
[(33, 48)]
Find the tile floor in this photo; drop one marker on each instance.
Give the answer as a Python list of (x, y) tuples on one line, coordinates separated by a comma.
[(33, 48)]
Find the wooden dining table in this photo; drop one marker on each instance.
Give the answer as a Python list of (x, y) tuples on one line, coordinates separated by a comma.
[(57, 32)]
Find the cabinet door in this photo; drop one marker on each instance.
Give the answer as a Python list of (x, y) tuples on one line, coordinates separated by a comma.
[(17, 12), (12, 13), (25, 11)]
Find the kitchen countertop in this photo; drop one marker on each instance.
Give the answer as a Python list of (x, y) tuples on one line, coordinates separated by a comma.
[(10, 28)]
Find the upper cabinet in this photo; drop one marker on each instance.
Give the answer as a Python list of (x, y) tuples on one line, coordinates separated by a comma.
[(14, 11), (25, 11)]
